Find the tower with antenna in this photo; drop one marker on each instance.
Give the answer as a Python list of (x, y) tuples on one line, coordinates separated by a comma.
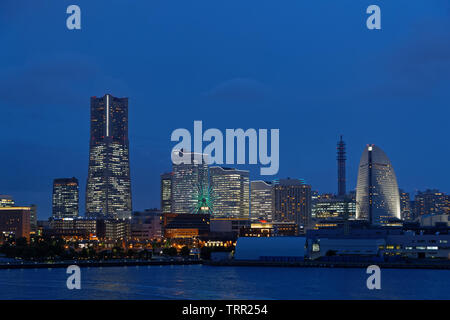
[(341, 157)]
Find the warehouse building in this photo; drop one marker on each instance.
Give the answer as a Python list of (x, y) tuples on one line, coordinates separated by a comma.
[(286, 249)]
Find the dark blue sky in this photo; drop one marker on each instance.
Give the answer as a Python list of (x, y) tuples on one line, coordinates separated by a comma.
[(311, 69)]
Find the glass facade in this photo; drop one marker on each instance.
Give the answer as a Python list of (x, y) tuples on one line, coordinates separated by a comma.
[(65, 198), (377, 194), (292, 200), (405, 206), (166, 192), (333, 208), (261, 200), (190, 184), (231, 192), (108, 189), (431, 202)]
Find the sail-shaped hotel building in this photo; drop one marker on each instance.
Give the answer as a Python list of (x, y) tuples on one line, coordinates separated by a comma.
[(377, 194)]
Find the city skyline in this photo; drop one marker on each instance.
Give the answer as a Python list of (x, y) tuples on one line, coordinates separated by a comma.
[(178, 66), (103, 129)]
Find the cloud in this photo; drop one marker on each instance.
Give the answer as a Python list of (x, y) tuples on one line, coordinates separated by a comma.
[(420, 65), (62, 79), (239, 89)]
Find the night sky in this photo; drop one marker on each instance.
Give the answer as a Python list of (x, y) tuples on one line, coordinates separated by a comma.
[(310, 68)]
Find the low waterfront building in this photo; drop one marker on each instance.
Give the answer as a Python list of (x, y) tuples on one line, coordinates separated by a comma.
[(78, 227), (113, 229), (227, 228), (431, 220), (15, 222), (281, 249), (327, 247), (178, 226), (270, 229), (362, 241), (146, 225), (417, 246), (89, 228)]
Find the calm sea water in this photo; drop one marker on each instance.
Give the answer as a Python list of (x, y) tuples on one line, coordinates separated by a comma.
[(205, 282)]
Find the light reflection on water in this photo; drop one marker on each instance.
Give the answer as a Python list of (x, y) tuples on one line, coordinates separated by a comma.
[(204, 282)]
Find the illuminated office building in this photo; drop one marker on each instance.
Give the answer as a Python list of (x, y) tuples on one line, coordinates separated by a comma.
[(65, 198), (292, 201), (33, 218), (334, 208), (431, 202), (405, 206), (261, 200), (190, 185), (341, 157), (231, 192), (108, 189), (166, 192), (187, 226), (377, 195)]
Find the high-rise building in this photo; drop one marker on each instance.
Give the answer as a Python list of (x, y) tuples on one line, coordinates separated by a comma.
[(231, 192), (108, 189), (65, 198), (377, 196), (191, 192), (431, 201), (405, 208), (33, 218), (292, 202), (261, 200), (166, 192), (341, 167)]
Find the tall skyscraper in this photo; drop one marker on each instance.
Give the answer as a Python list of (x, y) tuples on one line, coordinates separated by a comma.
[(231, 192), (261, 200), (431, 201), (108, 189), (405, 208), (292, 202), (341, 167), (190, 184), (166, 192), (377, 196), (33, 218), (65, 198)]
